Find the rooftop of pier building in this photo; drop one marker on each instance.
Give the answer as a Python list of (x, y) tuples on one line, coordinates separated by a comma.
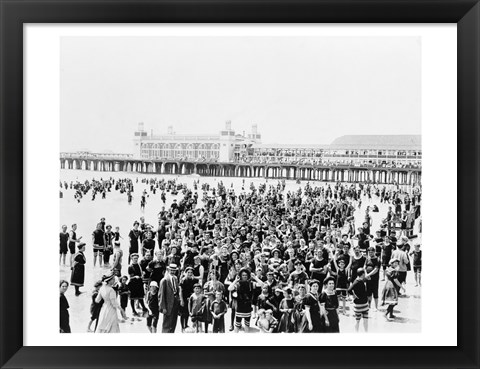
[(372, 142)]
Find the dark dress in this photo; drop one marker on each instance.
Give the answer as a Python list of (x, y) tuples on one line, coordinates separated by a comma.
[(244, 299), (298, 278), (95, 307), (356, 264), (331, 306), (135, 285), (158, 270), (312, 302), (64, 315), (148, 245), (78, 270), (320, 264), (134, 236), (372, 283), (187, 291), (387, 254), (286, 321), (298, 313), (342, 282), (275, 301)]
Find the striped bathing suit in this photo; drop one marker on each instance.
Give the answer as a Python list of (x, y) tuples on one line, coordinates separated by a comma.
[(360, 301)]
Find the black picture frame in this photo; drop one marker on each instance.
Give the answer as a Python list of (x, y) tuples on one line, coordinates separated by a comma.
[(15, 13)]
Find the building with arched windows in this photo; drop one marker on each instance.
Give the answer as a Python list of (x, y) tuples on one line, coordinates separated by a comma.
[(227, 146)]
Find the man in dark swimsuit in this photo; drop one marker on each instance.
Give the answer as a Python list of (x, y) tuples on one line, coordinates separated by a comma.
[(360, 299), (64, 236)]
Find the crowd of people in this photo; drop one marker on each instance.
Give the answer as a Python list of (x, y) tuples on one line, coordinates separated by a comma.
[(271, 260), (260, 159)]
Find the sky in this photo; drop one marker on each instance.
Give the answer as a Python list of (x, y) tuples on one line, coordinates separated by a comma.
[(298, 90)]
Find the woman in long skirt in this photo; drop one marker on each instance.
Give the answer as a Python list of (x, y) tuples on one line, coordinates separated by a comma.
[(391, 288), (78, 269), (135, 285), (329, 304), (108, 318), (286, 308), (64, 315), (312, 320), (299, 308)]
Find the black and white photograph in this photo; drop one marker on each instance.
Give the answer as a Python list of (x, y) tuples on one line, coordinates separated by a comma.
[(253, 184)]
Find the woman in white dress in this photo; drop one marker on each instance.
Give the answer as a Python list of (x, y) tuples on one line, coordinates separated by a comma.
[(108, 318)]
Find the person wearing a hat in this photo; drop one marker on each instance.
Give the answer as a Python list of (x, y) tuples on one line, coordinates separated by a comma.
[(157, 266), (276, 257), (135, 285), (274, 302), (174, 256), (152, 305), (299, 308), (77, 278), (108, 317), (286, 309), (329, 305), (391, 288), (312, 322), (298, 276), (169, 300)]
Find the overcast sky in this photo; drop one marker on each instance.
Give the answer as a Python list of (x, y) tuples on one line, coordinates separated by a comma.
[(296, 89)]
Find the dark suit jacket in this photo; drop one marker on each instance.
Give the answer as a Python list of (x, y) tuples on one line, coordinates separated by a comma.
[(166, 293)]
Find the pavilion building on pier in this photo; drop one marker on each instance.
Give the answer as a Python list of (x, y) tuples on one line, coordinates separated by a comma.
[(226, 146), (381, 159), (230, 147)]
